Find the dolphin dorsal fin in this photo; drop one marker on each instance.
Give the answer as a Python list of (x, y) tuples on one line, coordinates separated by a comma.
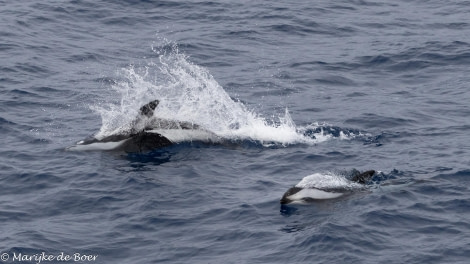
[(363, 177), (147, 109)]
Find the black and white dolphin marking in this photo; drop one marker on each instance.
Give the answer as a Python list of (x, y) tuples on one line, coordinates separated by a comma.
[(148, 133), (305, 192)]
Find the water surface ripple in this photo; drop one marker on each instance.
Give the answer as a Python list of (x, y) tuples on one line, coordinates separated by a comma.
[(367, 85)]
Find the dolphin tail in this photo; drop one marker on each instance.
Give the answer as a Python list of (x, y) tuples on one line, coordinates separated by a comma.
[(363, 177)]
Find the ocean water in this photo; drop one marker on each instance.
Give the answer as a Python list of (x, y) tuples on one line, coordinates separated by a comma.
[(311, 87)]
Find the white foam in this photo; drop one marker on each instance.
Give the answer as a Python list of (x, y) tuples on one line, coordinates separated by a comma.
[(188, 92)]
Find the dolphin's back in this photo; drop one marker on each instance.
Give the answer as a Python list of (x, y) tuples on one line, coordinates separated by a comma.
[(144, 141), (148, 132)]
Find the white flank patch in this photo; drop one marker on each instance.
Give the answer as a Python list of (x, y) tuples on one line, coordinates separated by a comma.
[(313, 194), (97, 146)]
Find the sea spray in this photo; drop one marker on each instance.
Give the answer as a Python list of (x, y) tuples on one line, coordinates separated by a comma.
[(188, 92)]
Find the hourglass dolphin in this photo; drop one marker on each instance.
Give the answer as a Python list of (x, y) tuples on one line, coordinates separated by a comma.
[(305, 193), (148, 133)]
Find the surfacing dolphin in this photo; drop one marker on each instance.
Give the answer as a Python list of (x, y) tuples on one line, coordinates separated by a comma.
[(148, 133), (306, 191)]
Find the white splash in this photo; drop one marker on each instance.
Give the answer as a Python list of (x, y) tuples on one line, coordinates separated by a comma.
[(188, 92)]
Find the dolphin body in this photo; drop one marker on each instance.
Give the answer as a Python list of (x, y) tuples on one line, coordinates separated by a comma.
[(148, 133), (300, 194)]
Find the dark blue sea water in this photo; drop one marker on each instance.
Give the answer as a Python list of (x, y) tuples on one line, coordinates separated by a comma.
[(298, 88)]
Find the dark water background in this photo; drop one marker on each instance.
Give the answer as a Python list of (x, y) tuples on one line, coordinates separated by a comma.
[(393, 75)]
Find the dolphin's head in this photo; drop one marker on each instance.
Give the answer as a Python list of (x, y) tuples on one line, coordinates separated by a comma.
[(364, 177), (286, 198)]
